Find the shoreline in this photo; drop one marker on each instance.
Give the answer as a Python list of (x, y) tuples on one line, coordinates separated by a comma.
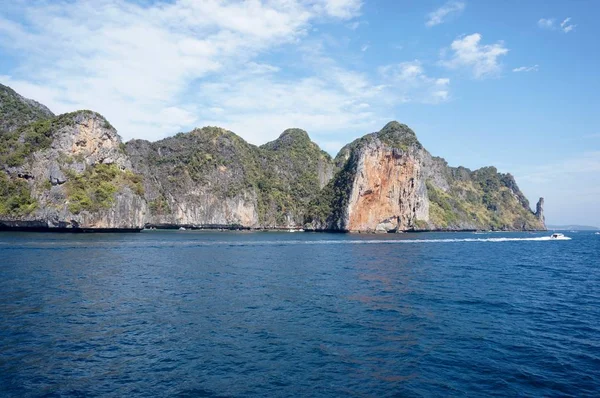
[(229, 228), (62, 230)]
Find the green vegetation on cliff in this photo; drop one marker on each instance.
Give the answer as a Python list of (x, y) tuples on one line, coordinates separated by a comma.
[(211, 175), (397, 135), (18, 145), (96, 187), (328, 209), (486, 200), (201, 153), (16, 111), (394, 134), (290, 176), (159, 206), (457, 198), (15, 197), (330, 204), (282, 176)]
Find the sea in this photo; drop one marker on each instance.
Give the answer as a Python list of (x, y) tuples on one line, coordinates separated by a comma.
[(280, 314)]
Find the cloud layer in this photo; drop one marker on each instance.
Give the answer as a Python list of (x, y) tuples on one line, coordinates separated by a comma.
[(136, 63), (157, 69)]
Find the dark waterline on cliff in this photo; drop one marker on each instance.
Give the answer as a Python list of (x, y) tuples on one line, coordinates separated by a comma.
[(168, 313)]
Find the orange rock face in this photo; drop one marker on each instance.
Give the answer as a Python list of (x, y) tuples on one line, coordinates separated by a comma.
[(387, 192)]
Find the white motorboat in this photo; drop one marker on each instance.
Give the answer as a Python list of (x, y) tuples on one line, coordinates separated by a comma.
[(557, 236)]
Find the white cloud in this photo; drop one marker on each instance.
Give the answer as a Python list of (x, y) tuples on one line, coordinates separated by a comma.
[(344, 9), (483, 60), (550, 23), (332, 105), (450, 8), (533, 68), (261, 106), (158, 69), (546, 23), (364, 47), (566, 26), (411, 83), (138, 64)]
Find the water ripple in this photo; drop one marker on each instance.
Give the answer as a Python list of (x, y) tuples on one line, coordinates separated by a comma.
[(268, 314)]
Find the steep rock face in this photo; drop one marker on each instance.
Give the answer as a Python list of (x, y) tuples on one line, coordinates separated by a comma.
[(293, 171), (199, 178), (69, 172), (17, 111), (211, 177), (73, 171), (380, 185), (482, 199), (388, 182), (539, 211), (388, 192), (293, 152)]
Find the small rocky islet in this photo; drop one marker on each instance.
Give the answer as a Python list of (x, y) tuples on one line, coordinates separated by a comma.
[(73, 172)]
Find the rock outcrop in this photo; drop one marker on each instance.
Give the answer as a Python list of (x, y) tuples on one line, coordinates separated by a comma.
[(539, 211), (211, 177), (17, 111), (73, 172), (69, 171), (388, 182)]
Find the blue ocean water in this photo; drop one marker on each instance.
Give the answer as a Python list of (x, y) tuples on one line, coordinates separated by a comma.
[(187, 313)]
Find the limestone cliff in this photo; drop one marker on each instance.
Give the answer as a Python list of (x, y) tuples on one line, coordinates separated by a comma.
[(388, 182), (211, 177), (73, 171), (17, 111), (539, 211), (68, 171)]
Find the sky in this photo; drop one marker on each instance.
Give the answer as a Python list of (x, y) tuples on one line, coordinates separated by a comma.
[(512, 84)]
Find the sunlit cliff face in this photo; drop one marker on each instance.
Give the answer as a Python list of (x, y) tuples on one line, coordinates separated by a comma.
[(387, 192)]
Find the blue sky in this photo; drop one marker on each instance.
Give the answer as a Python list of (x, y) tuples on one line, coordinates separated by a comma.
[(512, 84)]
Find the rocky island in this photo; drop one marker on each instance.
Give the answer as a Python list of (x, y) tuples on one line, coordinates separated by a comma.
[(72, 172)]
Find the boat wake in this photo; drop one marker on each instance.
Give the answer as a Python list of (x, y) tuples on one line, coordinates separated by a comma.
[(283, 242), (389, 241)]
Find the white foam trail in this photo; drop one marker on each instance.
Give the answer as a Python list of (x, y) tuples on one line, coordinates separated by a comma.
[(382, 241), (190, 243)]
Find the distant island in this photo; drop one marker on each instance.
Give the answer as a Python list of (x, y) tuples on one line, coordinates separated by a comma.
[(573, 227), (72, 172)]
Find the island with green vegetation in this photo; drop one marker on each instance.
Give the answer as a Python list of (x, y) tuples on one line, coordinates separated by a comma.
[(73, 172)]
